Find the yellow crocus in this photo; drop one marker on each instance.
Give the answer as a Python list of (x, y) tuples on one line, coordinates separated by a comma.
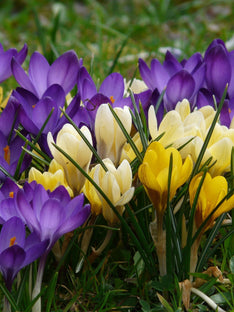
[(50, 179), (153, 174), (213, 190)]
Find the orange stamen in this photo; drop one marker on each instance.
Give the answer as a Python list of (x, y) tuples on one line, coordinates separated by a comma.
[(229, 110), (7, 154), (11, 194), (112, 99), (12, 241)]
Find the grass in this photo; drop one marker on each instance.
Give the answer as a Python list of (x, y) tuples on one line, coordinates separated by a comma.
[(111, 36)]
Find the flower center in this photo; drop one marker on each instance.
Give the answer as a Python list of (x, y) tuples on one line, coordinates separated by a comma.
[(112, 99), (11, 194), (7, 153), (12, 241)]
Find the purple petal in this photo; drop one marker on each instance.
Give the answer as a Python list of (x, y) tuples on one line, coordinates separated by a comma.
[(64, 71), (146, 74), (159, 75), (231, 83), (8, 209), (8, 117), (204, 97), (51, 217), (11, 260), (76, 220), (12, 229), (171, 64), (38, 71), (225, 115), (8, 187), (218, 70), (180, 86), (193, 63), (40, 197), (214, 43), (75, 204), (56, 92), (27, 212), (21, 55), (21, 77), (5, 64), (113, 87), (86, 85), (41, 112), (61, 194)]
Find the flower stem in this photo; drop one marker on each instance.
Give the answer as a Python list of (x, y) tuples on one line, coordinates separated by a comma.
[(207, 299), (159, 238), (98, 251), (37, 286)]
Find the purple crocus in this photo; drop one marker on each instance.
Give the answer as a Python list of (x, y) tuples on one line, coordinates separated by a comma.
[(8, 205), (179, 79), (219, 69), (52, 214), (111, 91), (5, 60), (17, 250), (219, 73), (41, 75)]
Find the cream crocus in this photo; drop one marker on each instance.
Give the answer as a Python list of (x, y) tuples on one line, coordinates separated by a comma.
[(136, 86), (50, 179), (116, 183), (212, 192), (71, 142), (183, 128), (109, 136)]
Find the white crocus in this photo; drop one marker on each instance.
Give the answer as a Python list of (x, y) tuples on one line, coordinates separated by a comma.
[(136, 86), (109, 136), (116, 183), (71, 142)]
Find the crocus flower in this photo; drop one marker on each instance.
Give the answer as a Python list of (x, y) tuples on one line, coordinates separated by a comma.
[(17, 250), (219, 68), (110, 91), (116, 183), (5, 60), (180, 79), (153, 174), (48, 215), (212, 192), (71, 142), (109, 136), (50, 179), (41, 75)]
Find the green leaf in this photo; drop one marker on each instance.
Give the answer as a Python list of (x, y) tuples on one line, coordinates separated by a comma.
[(138, 263), (231, 264), (165, 303), (145, 306)]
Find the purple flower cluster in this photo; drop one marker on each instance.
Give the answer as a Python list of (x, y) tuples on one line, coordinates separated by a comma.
[(47, 215), (197, 79)]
